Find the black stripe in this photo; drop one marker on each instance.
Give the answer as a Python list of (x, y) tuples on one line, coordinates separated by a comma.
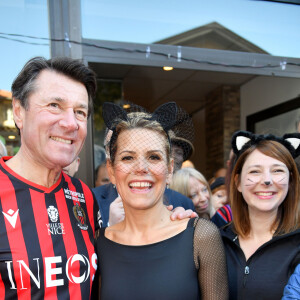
[(5, 255), (31, 238)]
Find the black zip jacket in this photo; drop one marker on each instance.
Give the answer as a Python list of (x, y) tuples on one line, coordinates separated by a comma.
[(264, 275)]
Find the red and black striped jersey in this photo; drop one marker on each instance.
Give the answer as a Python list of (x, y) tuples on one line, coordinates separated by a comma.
[(46, 238)]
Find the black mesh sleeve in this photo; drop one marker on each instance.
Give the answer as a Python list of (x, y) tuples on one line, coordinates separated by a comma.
[(210, 260)]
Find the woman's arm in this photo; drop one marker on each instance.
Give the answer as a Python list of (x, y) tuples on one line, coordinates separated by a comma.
[(210, 253)]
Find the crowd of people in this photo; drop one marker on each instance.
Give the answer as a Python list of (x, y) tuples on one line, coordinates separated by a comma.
[(152, 227)]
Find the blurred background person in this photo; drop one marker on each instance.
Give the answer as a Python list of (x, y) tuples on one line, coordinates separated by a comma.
[(192, 183), (101, 175), (188, 164), (219, 193)]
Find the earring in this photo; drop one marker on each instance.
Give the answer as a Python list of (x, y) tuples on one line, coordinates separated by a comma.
[(114, 186), (168, 186)]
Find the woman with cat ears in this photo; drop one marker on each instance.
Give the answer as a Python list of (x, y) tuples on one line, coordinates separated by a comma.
[(262, 243), (148, 256)]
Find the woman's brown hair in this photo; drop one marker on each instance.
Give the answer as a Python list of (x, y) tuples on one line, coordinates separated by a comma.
[(288, 212)]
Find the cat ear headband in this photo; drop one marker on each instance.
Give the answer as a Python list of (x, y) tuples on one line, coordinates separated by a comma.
[(113, 114), (164, 114), (241, 140)]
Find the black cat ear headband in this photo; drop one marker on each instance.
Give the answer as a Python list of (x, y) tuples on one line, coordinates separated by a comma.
[(165, 114), (241, 140)]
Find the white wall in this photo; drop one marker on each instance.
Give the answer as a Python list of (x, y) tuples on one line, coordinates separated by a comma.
[(264, 92)]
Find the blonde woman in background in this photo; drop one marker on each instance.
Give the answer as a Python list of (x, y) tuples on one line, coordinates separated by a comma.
[(192, 183)]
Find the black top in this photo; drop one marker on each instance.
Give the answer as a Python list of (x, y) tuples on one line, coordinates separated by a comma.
[(267, 270), (163, 270)]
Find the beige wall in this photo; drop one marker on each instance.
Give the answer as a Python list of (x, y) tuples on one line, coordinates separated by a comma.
[(264, 92)]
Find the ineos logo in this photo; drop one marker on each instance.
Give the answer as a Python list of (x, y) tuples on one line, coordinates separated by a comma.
[(86, 274)]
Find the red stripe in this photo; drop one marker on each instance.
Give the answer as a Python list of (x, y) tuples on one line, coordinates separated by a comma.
[(15, 237), (45, 240), (229, 219), (221, 214), (89, 204), (69, 242), (2, 288), (90, 211)]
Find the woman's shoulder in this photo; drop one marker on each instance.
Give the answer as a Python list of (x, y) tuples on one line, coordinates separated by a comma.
[(205, 228)]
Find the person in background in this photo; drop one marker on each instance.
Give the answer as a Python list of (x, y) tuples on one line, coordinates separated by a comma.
[(192, 183), (101, 175), (148, 256), (188, 164), (223, 215), (3, 151), (219, 193), (73, 167), (262, 243)]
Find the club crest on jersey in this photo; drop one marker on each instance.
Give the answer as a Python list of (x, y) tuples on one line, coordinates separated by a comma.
[(80, 217)]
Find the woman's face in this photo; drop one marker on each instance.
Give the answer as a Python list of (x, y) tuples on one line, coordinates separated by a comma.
[(140, 171), (199, 194), (219, 198), (264, 182)]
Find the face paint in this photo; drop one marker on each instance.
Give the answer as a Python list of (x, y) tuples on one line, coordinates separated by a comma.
[(257, 170)]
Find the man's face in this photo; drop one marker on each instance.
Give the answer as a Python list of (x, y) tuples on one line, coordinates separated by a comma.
[(102, 176), (54, 126), (177, 155)]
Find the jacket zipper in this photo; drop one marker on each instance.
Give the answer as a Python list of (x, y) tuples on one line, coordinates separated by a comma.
[(246, 273)]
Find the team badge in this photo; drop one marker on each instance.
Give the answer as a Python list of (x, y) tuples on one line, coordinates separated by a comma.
[(80, 217), (52, 213)]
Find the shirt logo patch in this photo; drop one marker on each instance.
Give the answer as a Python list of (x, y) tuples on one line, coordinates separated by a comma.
[(11, 216), (54, 228), (52, 213), (80, 217)]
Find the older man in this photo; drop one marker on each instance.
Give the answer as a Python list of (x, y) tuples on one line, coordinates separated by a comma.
[(48, 219)]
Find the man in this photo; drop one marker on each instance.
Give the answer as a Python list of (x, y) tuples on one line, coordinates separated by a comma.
[(101, 175), (48, 219), (182, 150)]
